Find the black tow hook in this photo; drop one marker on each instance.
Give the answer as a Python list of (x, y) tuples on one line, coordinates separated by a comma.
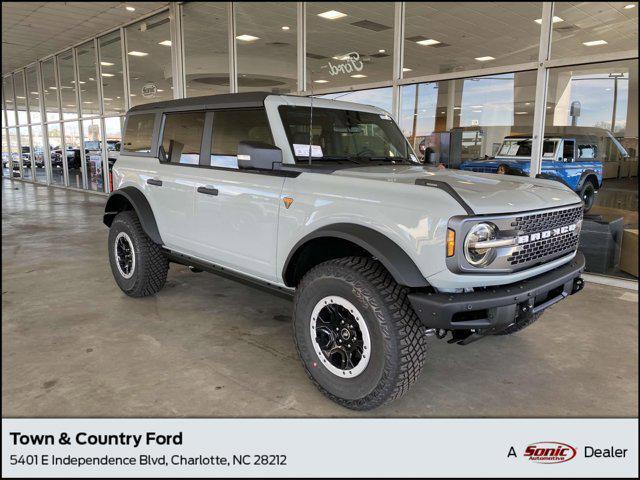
[(578, 284)]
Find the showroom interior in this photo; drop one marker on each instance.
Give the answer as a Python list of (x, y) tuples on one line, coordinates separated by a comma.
[(458, 77)]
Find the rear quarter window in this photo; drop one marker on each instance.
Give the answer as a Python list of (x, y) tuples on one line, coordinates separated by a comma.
[(139, 133)]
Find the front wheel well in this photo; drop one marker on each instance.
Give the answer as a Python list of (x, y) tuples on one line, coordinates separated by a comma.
[(115, 205), (317, 251)]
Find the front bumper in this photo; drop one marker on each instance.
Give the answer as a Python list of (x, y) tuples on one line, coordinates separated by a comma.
[(495, 308)]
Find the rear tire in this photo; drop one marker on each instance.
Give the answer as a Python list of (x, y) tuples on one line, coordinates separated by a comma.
[(139, 265), (361, 292)]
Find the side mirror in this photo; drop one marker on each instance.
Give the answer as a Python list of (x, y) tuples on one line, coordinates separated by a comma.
[(258, 155)]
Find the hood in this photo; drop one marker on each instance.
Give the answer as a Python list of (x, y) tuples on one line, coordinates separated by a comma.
[(485, 193)]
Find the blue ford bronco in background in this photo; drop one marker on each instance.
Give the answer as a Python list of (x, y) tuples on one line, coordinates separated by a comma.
[(573, 157)]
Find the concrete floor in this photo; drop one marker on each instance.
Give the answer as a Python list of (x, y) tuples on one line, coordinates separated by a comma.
[(74, 345)]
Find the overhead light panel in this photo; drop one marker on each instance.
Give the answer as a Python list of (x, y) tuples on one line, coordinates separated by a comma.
[(107, 75), (286, 28), (332, 15), (321, 81), (405, 69), (135, 53), (358, 75), (485, 59), (555, 20), (247, 38), (106, 64), (130, 9), (166, 43), (521, 113), (594, 43), (428, 42), (630, 6)]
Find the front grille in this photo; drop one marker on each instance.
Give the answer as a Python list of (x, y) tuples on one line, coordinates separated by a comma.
[(546, 248)]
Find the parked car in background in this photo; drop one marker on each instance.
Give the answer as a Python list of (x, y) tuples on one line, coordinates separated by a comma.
[(573, 156)]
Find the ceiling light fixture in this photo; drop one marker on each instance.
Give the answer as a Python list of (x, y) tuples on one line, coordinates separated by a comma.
[(106, 64), (382, 50), (130, 9), (108, 75), (358, 75), (594, 43), (135, 53), (405, 69), (247, 38), (630, 6), (428, 42), (286, 28), (485, 59), (321, 81), (521, 113), (166, 43), (332, 15), (555, 20)]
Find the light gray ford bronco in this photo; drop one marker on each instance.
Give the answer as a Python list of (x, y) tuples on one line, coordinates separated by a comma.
[(324, 200)]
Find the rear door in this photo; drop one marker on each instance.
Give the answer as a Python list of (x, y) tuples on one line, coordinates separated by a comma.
[(236, 210)]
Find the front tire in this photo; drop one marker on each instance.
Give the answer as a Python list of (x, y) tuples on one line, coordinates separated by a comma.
[(588, 195), (369, 346), (138, 264)]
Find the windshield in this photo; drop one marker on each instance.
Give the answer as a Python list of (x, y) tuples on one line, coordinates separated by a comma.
[(513, 147), (347, 135)]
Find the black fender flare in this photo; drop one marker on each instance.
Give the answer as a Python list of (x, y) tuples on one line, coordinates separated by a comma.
[(583, 178), (118, 201), (401, 267)]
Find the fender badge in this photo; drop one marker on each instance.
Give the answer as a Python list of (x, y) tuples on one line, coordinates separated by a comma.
[(287, 202)]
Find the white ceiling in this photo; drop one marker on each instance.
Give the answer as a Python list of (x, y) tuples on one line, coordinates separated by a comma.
[(31, 30)]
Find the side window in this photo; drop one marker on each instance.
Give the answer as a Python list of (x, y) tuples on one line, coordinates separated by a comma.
[(139, 133), (233, 126), (587, 152), (567, 150), (182, 137)]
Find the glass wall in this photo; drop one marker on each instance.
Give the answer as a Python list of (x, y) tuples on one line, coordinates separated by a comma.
[(87, 73), (25, 153), (10, 101), (593, 109), (112, 73), (266, 46), (39, 159), (72, 155), (149, 59), (66, 74), (464, 123), (50, 90), (55, 152), (33, 93), (113, 137), (92, 137), (349, 43), (206, 48), (14, 153), (21, 98), (378, 97), (6, 156)]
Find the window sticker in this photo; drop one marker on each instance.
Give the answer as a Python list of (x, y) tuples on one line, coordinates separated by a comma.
[(302, 150)]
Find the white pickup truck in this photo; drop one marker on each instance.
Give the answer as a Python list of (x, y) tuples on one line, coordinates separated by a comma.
[(324, 200)]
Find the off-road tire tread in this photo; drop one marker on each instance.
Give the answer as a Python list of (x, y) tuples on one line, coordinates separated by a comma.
[(405, 340), (155, 266)]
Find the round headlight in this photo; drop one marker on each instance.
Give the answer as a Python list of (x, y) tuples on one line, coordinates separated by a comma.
[(474, 252)]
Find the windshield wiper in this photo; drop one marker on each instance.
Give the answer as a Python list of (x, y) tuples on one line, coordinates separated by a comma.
[(383, 158), (335, 158)]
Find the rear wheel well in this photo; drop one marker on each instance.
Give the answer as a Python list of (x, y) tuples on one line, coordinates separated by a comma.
[(317, 251), (115, 205)]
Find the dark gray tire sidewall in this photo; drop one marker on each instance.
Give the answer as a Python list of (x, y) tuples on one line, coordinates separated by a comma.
[(123, 224), (588, 187), (347, 388)]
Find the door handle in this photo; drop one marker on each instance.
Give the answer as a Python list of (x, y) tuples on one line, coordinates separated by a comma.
[(208, 190), (154, 181)]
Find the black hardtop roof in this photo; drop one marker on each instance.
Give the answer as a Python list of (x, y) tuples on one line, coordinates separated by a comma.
[(227, 100)]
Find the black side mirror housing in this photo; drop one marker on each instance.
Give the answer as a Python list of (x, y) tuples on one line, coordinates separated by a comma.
[(258, 155)]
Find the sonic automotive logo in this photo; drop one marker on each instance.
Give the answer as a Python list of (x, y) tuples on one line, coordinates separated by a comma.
[(550, 452)]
